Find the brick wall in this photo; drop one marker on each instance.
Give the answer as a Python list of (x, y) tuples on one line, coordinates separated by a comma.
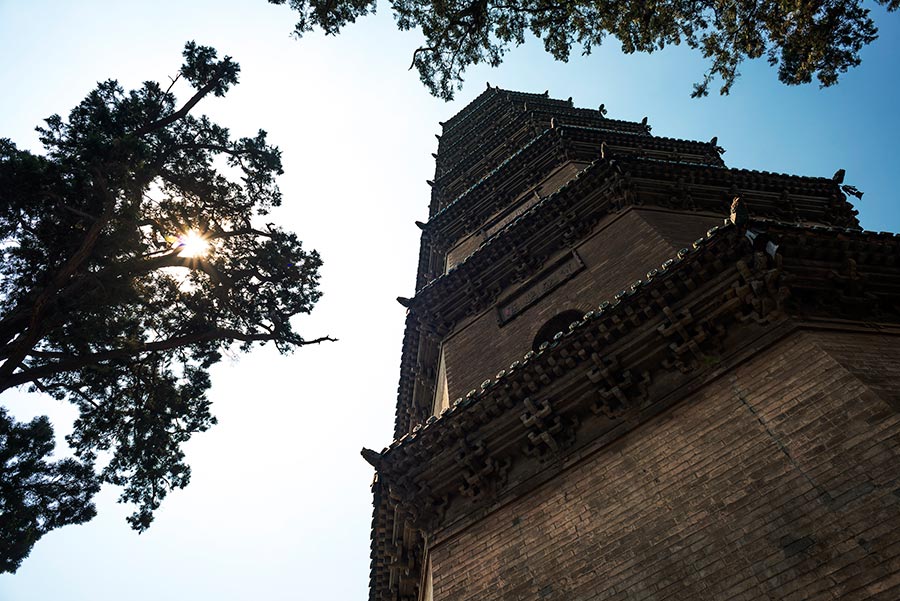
[(780, 480), (873, 359), (614, 258), (674, 230)]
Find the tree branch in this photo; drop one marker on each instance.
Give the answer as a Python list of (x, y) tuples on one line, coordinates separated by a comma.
[(220, 334), (29, 337), (184, 110)]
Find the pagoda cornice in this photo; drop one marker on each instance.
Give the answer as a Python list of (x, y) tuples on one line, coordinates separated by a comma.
[(607, 185), (474, 283), (408, 365), (476, 135), (485, 107), (772, 195), (695, 316), (561, 143), (510, 129)]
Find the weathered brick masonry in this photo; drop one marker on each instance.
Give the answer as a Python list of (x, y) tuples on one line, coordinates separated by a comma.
[(778, 480), (630, 372)]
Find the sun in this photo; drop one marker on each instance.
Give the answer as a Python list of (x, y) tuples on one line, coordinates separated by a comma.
[(191, 243)]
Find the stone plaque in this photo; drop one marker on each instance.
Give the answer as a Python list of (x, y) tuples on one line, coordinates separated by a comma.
[(539, 287)]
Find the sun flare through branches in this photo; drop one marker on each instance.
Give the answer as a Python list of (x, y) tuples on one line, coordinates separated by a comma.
[(191, 243)]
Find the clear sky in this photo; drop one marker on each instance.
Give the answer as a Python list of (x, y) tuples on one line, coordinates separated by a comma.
[(279, 505)]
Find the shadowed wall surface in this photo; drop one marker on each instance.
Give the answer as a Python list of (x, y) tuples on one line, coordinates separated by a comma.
[(778, 480)]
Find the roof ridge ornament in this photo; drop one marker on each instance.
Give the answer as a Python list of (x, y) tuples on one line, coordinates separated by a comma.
[(853, 191), (373, 458), (739, 215), (838, 178)]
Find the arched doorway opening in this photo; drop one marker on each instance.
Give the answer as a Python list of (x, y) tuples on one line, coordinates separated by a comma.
[(558, 323)]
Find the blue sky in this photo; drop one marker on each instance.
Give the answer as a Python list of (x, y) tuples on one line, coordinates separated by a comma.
[(279, 506)]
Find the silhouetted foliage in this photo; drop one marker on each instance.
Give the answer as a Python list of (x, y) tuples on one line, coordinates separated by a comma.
[(805, 40), (100, 302), (36, 495)]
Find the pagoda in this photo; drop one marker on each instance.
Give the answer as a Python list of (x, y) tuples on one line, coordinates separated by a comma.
[(632, 372)]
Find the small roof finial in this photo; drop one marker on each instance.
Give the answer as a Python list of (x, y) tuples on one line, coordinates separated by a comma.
[(838, 176)]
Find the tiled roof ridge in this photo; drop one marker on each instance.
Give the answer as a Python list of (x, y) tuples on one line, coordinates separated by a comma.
[(491, 92), (560, 130), (489, 174), (461, 114), (563, 125), (621, 164), (562, 111), (737, 170), (409, 350), (596, 164)]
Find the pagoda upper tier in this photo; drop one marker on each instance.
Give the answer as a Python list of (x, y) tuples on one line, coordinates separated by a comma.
[(544, 153), (506, 152), (496, 125)]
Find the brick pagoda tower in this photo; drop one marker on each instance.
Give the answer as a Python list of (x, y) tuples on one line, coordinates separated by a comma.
[(631, 372)]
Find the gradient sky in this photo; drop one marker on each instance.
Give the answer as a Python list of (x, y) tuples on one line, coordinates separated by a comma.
[(279, 505)]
